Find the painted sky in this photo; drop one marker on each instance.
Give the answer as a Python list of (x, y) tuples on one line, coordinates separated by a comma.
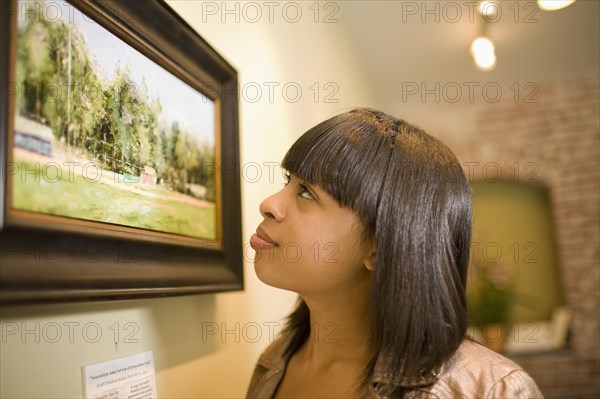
[(180, 102)]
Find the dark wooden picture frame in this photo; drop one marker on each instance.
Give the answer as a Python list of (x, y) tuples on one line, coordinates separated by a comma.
[(52, 257)]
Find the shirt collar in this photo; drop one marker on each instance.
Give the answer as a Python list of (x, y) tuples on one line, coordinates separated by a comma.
[(274, 358), (382, 378)]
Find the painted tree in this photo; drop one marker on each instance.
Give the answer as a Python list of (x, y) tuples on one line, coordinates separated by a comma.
[(116, 122), (35, 67)]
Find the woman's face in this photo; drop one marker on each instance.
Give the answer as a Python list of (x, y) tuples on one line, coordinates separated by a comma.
[(307, 243)]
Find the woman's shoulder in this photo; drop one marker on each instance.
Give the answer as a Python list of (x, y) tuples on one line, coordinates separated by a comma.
[(275, 353), (476, 371), (473, 354), (269, 369)]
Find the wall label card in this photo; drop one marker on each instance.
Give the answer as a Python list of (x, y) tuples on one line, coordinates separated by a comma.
[(130, 377)]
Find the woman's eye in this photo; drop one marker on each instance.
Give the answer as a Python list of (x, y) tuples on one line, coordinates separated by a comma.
[(304, 193)]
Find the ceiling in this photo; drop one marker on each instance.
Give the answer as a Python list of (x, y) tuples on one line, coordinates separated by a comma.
[(401, 42)]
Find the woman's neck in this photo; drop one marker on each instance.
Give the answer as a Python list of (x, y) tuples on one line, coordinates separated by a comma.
[(339, 330), (332, 360)]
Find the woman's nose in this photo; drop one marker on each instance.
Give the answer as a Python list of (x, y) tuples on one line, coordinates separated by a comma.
[(272, 207)]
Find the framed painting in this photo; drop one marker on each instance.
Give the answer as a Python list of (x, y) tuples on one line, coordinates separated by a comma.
[(120, 151)]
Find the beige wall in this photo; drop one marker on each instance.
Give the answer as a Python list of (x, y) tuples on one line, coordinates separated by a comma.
[(188, 362), (559, 134)]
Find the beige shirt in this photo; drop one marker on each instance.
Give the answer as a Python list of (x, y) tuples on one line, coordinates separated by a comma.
[(472, 372)]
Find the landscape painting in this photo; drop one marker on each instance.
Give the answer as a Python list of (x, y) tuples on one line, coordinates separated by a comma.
[(103, 133)]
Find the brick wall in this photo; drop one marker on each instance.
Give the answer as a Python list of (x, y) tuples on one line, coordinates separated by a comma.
[(560, 134)]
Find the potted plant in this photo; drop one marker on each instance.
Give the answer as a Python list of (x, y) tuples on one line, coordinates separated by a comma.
[(489, 298)]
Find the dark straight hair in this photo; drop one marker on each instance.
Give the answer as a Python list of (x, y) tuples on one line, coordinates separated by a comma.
[(414, 200)]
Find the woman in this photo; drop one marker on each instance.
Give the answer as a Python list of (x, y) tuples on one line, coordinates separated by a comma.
[(372, 230)]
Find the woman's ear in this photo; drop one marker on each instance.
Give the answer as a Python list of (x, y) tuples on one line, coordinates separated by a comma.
[(370, 263), (370, 260)]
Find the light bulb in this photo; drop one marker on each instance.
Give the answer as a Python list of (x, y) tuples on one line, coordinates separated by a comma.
[(482, 45), (486, 62), (551, 5), (488, 8), (484, 53)]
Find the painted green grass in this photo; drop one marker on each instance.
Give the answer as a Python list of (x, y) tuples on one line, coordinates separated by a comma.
[(75, 197)]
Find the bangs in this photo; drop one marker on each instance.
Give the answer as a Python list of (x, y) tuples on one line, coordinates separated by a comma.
[(347, 156)]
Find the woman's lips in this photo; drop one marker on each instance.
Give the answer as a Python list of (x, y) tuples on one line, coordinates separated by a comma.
[(261, 240)]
